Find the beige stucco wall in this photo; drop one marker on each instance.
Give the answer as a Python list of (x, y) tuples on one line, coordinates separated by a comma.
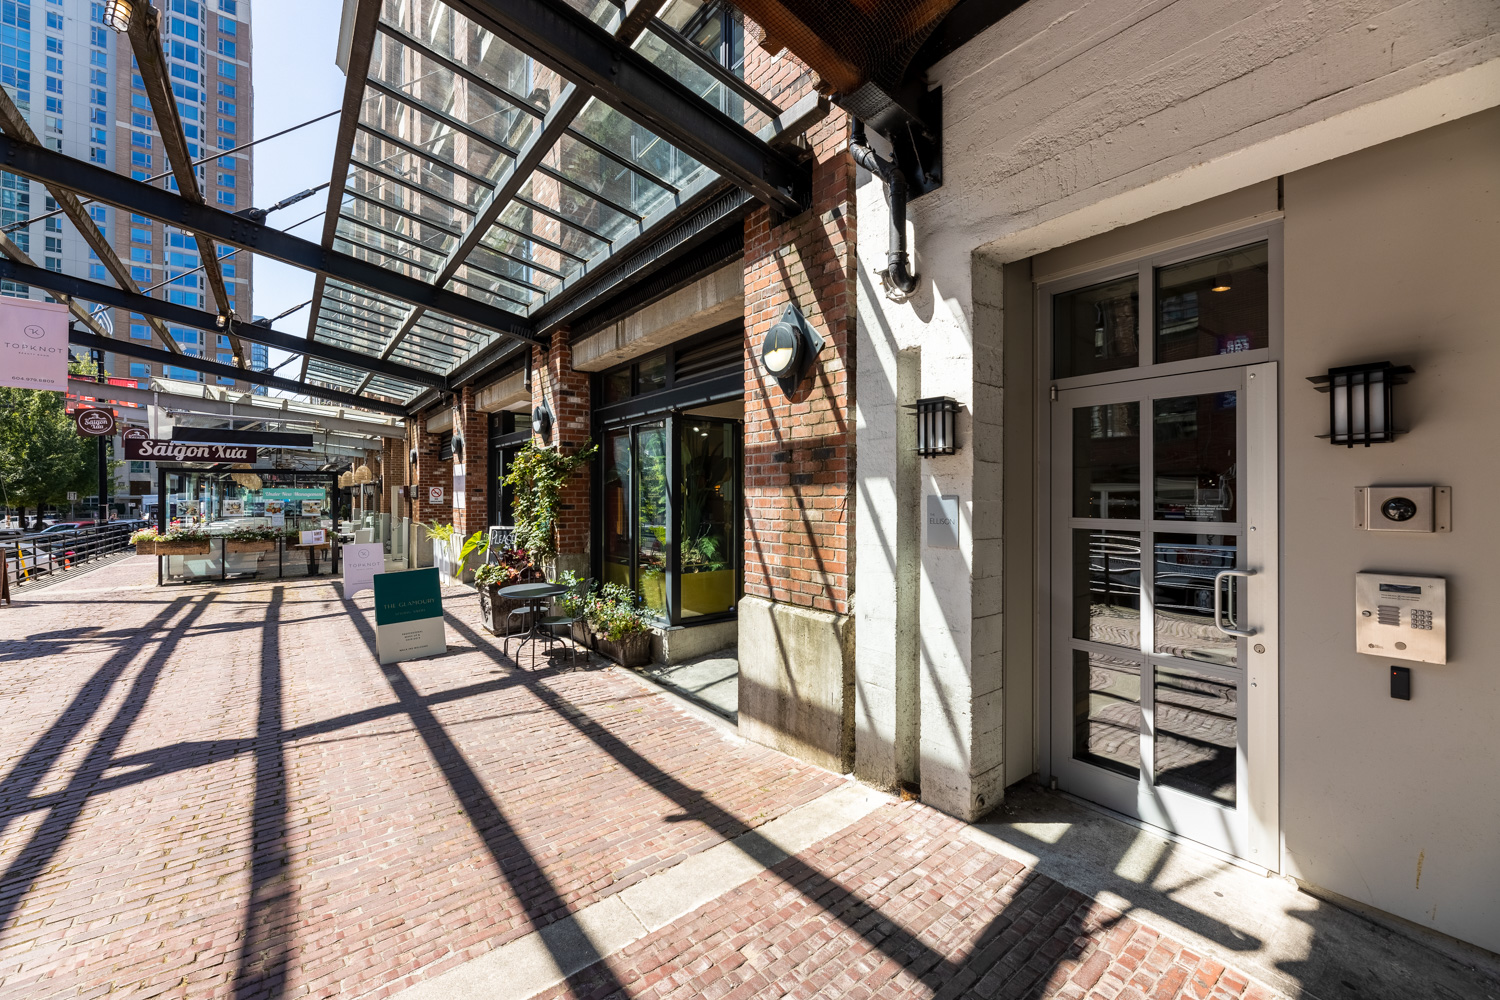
[(1393, 254)]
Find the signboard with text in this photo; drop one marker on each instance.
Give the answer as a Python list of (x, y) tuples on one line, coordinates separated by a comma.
[(942, 522), (312, 508), (33, 344), (94, 422), (139, 449), (434, 494), (409, 615), (314, 537), (362, 560)]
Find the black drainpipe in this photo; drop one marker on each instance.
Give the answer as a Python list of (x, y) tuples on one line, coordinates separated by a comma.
[(898, 262)]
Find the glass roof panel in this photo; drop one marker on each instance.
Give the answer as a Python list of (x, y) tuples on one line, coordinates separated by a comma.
[(577, 208), (423, 173), (637, 144), (440, 140), (546, 228), (602, 12), (595, 172), (506, 267), (412, 200), (455, 38), (700, 81)]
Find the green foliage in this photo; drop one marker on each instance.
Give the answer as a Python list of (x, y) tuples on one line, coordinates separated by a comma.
[(538, 476), (513, 566), (614, 611), (42, 456), (440, 532), (143, 535), (176, 534), (477, 542), (249, 534)]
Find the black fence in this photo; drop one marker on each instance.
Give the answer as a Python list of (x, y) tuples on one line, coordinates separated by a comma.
[(39, 554)]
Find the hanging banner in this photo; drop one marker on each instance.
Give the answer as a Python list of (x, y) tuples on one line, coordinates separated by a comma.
[(362, 560), (33, 344), (458, 486), (94, 422), (409, 615), (139, 449)]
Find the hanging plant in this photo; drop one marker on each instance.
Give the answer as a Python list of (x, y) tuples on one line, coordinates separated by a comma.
[(538, 476)]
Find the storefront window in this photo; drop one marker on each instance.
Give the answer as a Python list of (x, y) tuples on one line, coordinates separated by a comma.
[(709, 538), (1214, 305), (619, 538), (652, 508)]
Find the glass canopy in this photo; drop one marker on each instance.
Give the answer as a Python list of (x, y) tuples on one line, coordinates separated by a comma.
[(475, 167)]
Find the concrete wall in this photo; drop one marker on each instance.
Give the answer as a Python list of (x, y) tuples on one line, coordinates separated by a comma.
[(1064, 121), (1392, 254)]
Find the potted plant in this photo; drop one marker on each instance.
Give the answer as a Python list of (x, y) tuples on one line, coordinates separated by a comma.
[(451, 558), (538, 475), (513, 567), (144, 541), (183, 542), (622, 630), (575, 605), (246, 539)]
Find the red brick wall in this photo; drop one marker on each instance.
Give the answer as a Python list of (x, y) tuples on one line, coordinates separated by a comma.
[(799, 449), (566, 391), (393, 473), (473, 426), (429, 472)]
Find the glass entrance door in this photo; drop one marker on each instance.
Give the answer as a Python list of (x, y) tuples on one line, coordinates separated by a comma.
[(1163, 581)]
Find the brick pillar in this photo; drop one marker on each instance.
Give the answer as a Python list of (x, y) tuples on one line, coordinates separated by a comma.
[(393, 475), (473, 426), (566, 393), (429, 472), (799, 460)]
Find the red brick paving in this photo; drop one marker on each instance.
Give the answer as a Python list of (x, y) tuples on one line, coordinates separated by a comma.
[(220, 793), (137, 821)]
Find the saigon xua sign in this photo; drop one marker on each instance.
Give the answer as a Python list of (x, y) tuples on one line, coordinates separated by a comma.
[(145, 449)]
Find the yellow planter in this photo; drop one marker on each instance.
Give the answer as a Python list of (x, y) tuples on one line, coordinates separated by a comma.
[(708, 593)]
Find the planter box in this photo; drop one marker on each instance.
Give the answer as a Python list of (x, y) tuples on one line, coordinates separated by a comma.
[(583, 635), (146, 548), (233, 547), (632, 651), (494, 611), (182, 548)]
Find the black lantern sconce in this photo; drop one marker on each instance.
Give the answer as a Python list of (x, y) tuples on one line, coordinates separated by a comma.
[(788, 349), (541, 421), (1361, 402), (937, 425)]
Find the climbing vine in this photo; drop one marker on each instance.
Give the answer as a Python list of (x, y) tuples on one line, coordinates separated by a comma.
[(538, 476)]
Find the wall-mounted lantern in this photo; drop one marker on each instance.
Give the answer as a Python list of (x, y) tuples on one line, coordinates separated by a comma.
[(937, 425), (1361, 402), (788, 349), (541, 421)]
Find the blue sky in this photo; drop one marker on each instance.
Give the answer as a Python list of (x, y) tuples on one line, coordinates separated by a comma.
[(296, 78)]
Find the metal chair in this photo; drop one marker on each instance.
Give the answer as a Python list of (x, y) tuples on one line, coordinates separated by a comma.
[(580, 591)]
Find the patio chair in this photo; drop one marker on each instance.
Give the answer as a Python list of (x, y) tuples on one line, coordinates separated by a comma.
[(566, 621)]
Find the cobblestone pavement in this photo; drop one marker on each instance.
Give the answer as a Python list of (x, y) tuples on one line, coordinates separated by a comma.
[(218, 792)]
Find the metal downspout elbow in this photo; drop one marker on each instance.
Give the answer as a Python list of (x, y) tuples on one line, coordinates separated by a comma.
[(898, 262)]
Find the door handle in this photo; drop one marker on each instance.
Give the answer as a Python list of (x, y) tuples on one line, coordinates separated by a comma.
[(1219, 601)]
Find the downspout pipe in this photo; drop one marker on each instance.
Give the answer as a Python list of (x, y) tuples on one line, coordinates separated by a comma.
[(898, 261)]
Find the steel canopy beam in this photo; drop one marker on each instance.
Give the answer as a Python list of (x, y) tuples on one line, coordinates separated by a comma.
[(133, 350), (609, 69), (67, 284), (47, 166)]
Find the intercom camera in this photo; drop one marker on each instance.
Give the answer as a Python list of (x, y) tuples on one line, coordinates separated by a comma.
[(1401, 617)]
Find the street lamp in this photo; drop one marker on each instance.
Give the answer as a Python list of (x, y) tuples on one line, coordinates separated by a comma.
[(117, 14)]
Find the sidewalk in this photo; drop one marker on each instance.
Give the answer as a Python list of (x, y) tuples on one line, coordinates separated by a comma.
[(218, 792)]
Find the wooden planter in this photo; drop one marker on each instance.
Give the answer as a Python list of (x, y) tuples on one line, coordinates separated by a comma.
[(182, 548), (146, 548), (631, 651), (494, 611), (233, 547), (582, 634)]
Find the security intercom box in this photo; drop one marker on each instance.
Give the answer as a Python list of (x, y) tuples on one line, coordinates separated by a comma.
[(1401, 617), (1422, 509)]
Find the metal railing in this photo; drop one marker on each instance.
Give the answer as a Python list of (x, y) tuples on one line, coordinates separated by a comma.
[(32, 556)]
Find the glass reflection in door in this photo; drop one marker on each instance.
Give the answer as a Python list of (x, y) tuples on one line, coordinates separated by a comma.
[(619, 535), (708, 543), (652, 505)]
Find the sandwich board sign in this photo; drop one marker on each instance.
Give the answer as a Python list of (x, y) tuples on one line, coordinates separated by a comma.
[(409, 615), (362, 560)]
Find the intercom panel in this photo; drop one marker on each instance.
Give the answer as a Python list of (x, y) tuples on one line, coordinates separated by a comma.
[(1401, 617)]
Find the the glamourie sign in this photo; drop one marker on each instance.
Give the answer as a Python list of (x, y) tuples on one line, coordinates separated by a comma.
[(33, 344), (139, 449), (409, 615)]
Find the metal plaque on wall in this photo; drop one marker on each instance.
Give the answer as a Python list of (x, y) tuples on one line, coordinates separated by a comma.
[(942, 522)]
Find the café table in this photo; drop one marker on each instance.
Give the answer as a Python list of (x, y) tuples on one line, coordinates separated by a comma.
[(535, 596)]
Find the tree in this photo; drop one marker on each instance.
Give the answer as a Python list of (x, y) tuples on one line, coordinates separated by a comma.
[(42, 456)]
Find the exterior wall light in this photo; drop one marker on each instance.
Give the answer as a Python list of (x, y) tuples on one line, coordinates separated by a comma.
[(117, 14), (541, 421), (1361, 402), (788, 348), (937, 425)]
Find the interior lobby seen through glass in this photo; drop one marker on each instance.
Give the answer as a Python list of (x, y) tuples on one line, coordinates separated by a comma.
[(1213, 305), (1095, 329)]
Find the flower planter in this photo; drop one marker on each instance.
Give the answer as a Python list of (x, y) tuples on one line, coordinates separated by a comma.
[(494, 611), (146, 547), (583, 635), (182, 548), (233, 547), (631, 651)]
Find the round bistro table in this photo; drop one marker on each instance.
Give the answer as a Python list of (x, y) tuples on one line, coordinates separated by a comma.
[(535, 596)]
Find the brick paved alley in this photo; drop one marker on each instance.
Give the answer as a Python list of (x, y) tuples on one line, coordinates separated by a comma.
[(218, 792)]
